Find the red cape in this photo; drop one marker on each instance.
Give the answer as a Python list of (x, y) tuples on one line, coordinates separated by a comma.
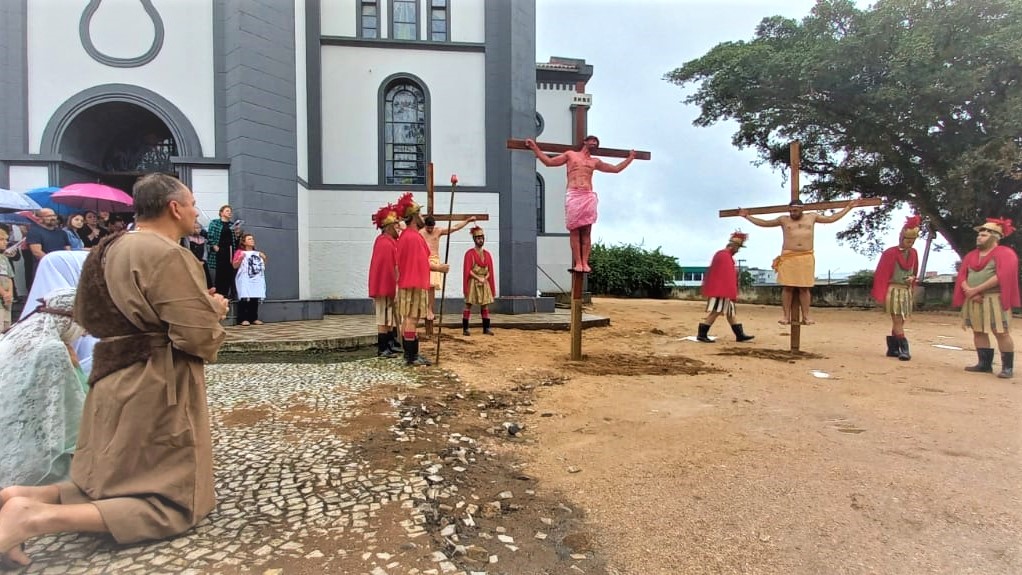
[(722, 279), (471, 259), (1006, 262), (885, 270), (412, 260), (382, 276)]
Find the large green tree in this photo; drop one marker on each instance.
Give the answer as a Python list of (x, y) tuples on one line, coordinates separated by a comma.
[(918, 102)]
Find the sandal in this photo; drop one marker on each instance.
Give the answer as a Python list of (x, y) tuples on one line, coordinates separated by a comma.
[(245, 323)]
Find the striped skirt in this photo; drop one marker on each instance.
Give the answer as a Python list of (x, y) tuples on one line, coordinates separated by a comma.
[(987, 314), (721, 305), (412, 302), (899, 300)]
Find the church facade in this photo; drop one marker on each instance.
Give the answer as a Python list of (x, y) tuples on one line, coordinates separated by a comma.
[(305, 116)]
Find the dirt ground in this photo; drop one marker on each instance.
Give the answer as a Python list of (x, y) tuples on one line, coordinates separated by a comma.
[(679, 457)]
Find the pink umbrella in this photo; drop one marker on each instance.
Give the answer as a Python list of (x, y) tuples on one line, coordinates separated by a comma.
[(95, 197)]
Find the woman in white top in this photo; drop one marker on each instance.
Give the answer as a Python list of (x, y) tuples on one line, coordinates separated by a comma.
[(61, 269), (249, 280)]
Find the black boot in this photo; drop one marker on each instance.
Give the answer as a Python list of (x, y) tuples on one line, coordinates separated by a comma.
[(464, 326), (892, 346), (1007, 364), (395, 341), (412, 356), (704, 333), (381, 344), (986, 361), (486, 326), (740, 333), (903, 353)]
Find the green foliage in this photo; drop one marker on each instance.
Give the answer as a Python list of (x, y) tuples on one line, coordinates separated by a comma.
[(861, 278), (629, 271), (918, 102), (746, 280)]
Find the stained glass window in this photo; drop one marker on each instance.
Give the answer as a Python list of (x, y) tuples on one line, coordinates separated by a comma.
[(404, 20), (369, 15), (404, 133)]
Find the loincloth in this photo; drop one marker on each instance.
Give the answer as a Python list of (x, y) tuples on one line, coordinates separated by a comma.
[(579, 208), (795, 269), (436, 279), (986, 315)]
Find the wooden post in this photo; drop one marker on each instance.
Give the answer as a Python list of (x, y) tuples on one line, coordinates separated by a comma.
[(796, 303), (577, 279)]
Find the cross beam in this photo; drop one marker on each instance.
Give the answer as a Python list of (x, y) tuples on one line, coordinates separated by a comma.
[(442, 217), (515, 144), (865, 202)]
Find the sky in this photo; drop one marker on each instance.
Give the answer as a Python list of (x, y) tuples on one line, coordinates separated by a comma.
[(672, 201)]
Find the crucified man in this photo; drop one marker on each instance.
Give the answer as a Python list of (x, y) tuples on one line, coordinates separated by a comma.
[(796, 266), (580, 201)]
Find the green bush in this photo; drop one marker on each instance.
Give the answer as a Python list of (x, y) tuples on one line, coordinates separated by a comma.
[(631, 271), (861, 278)]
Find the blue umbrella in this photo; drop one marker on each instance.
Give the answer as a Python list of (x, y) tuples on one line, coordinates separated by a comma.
[(14, 219), (15, 202), (42, 197)]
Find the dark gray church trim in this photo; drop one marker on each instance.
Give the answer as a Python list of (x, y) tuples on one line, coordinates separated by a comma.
[(184, 133), (219, 77), (13, 83), (403, 44), (260, 131), (381, 122), (314, 91), (84, 32), (511, 112)]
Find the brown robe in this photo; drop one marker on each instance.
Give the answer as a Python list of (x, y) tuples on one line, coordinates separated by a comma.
[(144, 455)]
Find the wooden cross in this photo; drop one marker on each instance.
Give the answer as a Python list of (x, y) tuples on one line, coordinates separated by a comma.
[(577, 278), (796, 310), (442, 217)]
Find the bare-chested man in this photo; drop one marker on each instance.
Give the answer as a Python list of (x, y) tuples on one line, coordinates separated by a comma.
[(580, 201), (432, 233), (796, 266)]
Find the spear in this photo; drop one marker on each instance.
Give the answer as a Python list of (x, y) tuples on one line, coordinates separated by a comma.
[(447, 254)]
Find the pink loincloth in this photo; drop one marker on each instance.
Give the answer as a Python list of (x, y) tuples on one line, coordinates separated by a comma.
[(579, 208)]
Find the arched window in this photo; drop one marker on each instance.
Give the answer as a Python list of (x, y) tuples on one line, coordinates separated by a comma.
[(540, 193), (404, 133)]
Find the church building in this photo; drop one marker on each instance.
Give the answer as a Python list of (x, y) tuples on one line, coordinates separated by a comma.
[(305, 116)]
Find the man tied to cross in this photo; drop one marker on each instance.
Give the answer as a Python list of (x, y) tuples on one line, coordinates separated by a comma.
[(796, 266), (580, 201)]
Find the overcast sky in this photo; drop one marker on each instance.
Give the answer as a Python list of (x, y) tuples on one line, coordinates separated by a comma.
[(672, 201)]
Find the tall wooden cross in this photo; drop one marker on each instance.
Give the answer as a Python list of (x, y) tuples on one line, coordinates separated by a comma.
[(577, 278), (796, 310)]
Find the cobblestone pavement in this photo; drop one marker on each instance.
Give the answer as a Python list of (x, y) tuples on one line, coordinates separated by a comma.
[(286, 479)]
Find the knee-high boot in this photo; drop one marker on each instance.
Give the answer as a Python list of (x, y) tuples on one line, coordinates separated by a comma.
[(704, 333), (1007, 365), (986, 361)]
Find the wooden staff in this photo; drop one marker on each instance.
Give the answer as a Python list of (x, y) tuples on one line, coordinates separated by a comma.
[(447, 254)]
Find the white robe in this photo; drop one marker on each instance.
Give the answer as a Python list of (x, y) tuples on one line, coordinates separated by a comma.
[(43, 397), (61, 269)]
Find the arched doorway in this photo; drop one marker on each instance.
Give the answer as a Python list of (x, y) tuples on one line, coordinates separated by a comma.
[(115, 143), (112, 133)]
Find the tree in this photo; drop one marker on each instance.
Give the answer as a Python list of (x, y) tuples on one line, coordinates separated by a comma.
[(861, 278), (918, 102), (628, 270), (745, 280)]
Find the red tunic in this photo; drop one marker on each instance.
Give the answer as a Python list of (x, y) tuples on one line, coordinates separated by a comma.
[(1006, 265), (474, 259), (412, 260), (885, 269), (722, 279), (382, 276)]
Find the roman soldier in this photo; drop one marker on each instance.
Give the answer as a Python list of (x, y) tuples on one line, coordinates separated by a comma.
[(478, 281), (383, 280), (893, 281), (413, 267), (720, 286), (987, 289)]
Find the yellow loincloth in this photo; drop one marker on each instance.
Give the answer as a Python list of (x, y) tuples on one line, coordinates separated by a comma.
[(795, 269), (436, 279)]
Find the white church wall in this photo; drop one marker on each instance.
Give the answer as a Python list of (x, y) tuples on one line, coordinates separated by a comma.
[(301, 92), (468, 20), (554, 105), (351, 90), (341, 235), (553, 257), (211, 187), (25, 178), (338, 17), (121, 28)]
